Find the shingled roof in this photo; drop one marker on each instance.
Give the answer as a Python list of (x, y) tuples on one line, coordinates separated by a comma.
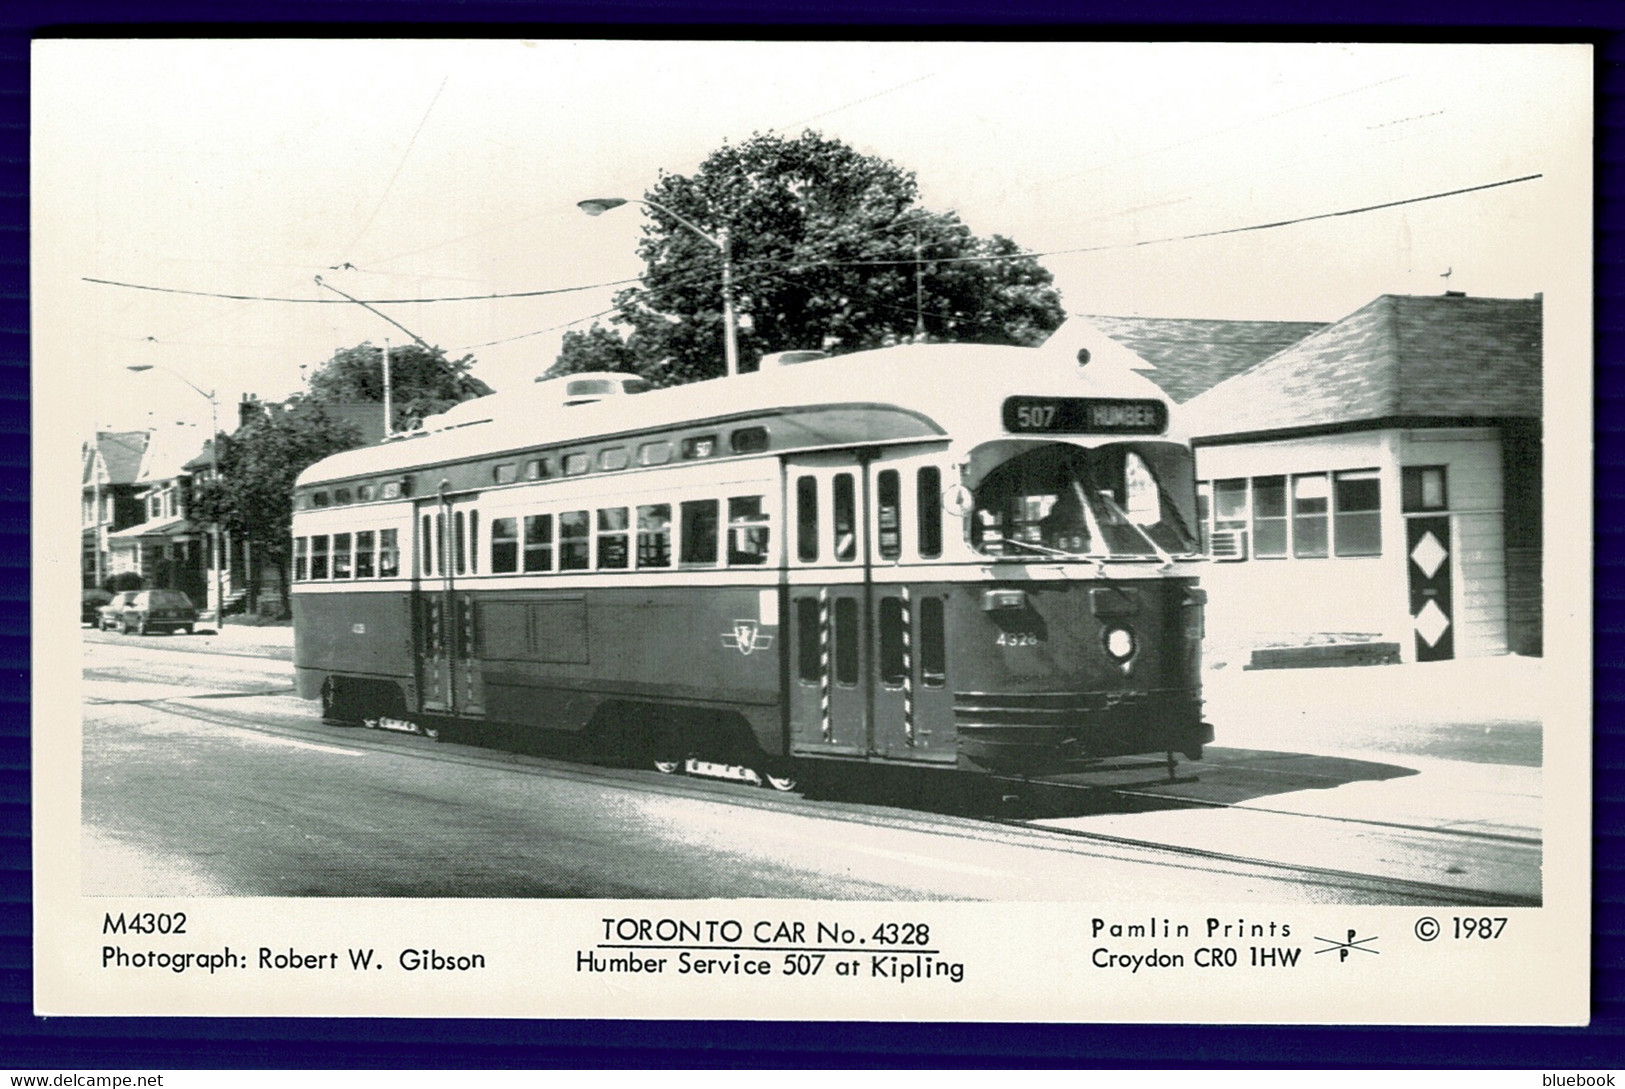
[(121, 453), (1399, 356), (1192, 355)]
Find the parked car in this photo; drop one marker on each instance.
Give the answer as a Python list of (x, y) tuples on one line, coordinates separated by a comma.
[(109, 616), (90, 604), (157, 610)]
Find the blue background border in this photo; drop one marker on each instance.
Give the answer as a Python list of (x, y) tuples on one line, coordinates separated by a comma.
[(164, 1043)]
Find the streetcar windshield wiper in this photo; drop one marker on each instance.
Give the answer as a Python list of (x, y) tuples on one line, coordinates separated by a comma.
[(1118, 512), (1045, 550)]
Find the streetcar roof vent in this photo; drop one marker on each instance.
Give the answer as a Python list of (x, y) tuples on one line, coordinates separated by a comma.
[(786, 359)]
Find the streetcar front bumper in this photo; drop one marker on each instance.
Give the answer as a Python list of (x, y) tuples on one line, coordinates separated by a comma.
[(1044, 732)]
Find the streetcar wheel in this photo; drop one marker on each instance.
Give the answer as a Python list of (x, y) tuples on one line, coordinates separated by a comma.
[(780, 775)]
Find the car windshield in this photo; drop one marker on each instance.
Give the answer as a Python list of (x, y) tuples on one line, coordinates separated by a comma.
[(169, 599), (1119, 501)]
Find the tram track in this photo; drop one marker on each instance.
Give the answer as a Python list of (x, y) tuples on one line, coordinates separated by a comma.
[(1329, 883)]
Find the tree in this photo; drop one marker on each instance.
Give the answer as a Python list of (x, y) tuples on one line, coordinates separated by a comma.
[(422, 380), (830, 250), (253, 496)]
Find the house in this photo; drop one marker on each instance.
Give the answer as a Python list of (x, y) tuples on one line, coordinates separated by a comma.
[(107, 497), (1380, 479), (164, 546)]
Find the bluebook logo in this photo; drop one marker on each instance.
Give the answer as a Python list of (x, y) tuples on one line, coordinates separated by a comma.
[(1576, 1079)]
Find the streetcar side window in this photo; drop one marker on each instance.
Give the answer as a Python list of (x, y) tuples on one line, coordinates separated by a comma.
[(576, 464), (301, 558), (613, 457), (928, 509), (341, 555), (460, 544), (700, 531), (654, 453), (747, 531), (318, 556), (654, 535), (538, 542), (889, 513), (440, 562), (428, 545), (364, 554), (933, 647), (807, 519), (364, 493), (389, 554), (504, 474), (341, 495), (846, 519), (846, 641), (575, 529), (748, 440), (612, 534), (474, 541), (808, 650), (699, 446), (504, 546), (893, 663), (537, 469)]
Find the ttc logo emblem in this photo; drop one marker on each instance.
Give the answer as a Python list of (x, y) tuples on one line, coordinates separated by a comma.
[(747, 637)]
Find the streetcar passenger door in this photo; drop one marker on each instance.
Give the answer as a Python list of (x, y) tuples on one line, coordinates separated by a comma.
[(828, 590), (449, 676), (911, 711)]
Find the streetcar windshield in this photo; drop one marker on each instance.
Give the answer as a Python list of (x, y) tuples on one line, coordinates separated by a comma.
[(1128, 500)]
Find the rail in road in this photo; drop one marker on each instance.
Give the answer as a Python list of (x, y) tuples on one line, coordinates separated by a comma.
[(991, 824)]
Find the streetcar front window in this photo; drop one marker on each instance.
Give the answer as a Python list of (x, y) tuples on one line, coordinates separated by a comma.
[(1131, 500)]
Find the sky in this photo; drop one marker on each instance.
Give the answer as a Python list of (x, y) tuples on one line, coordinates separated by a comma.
[(431, 169)]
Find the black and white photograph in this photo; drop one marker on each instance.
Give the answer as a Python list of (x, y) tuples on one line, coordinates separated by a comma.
[(779, 529)]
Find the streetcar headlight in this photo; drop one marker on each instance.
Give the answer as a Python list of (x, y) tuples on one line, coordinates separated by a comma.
[(1120, 643)]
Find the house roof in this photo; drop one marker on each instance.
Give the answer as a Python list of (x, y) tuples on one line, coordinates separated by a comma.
[(176, 526), (1398, 356), (168, 453), (120, 453), (1193, 355)]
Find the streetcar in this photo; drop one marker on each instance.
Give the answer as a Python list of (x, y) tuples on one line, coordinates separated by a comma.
[(968, 557)]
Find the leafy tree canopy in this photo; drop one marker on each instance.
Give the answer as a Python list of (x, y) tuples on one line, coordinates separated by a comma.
[(253, 496), (423, 381), (830, 250)]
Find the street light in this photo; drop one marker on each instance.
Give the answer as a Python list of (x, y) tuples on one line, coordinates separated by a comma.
[(597, 206), (214, 467)]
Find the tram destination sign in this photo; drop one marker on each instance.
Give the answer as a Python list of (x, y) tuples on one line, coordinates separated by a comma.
[(1076, 415)]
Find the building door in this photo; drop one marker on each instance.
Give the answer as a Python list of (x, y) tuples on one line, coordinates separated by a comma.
[(1427, 544)]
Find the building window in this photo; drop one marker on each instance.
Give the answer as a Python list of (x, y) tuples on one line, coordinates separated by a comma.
[(747, 531), (364, 554), (699, 531), (1311, 495), (538, 542), (504, 546), (389, 554), (1357, 513), (613, 553), (654, 535), (1229, 519), (1424, 488), (575, 529), (1269, 516)]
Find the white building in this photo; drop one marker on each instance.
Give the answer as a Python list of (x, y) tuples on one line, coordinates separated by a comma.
[(1378, 479)]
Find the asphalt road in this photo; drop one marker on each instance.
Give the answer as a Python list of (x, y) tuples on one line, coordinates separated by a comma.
[(205, 775)]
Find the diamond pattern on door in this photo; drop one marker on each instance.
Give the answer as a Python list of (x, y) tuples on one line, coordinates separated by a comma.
[(1428, 555), (1431, 623)]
